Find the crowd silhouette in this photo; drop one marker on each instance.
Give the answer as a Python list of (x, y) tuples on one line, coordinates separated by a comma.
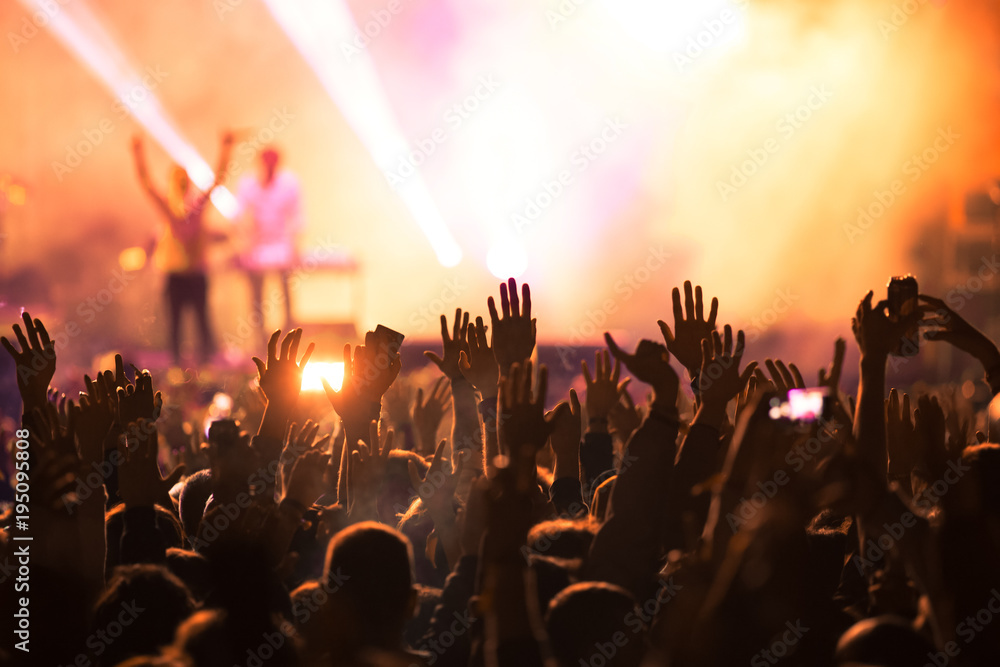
[(599, 532)]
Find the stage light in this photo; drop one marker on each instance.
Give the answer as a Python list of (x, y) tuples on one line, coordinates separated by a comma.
[(666, 26), (132, 259), (315, 371), (506, 259), (319, 29), (80, 32)]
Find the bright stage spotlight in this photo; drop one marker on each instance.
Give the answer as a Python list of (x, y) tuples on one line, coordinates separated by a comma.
[(506, 259), (80, 32), (666, 26), (315, 371), (318, 28)]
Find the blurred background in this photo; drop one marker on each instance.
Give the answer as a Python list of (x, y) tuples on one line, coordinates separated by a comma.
[(786, 155)]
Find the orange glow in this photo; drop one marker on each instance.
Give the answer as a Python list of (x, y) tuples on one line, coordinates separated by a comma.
[(315, 371)]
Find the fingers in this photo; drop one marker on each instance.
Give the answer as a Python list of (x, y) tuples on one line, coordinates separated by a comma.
[(727, 345), (526, 306), (481, 334), (438, 361), (438, 456), (29, 327), (740, 347), (746, 377), (515, 300), (261, 368), (543, 384), (707, 351), (798, 382), (444, 325), (492, 307), (286, 344), (387, 444), (504, 301), (618, 370), (21, 340), (675, 296), (839, 350), (331, 395), (293, 349), (272, 347), (713, 312), (307, 356), (616, 351), (688, 300), (574, 402), (586, 373), (699, 304)]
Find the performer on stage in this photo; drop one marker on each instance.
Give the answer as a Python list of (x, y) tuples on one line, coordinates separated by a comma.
[(272, 219), (180, 252)]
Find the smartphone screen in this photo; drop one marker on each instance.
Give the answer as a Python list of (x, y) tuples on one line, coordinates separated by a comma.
[(801, 405), (386, 338), (902, 298)]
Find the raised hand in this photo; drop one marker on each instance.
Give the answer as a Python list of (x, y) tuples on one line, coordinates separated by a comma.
[(281, 377), (900, 436), (137, 401), (97, 413), (720, 379), (603, 389), (366, 472), (366, 378), (651, 364), (949, 327), (566, 434), (306, 479), (875, 332), (298, 442), (437, 488), (513, 336), (140, 483), (783, 377), (35, 361), (830, 377), (930, 450), (624, 416), (523, 425), (477, 362), (684, 342), (427, 414), (453, 345)]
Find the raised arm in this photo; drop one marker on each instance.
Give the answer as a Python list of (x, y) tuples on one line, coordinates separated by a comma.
[(221, 170), (139, 152)]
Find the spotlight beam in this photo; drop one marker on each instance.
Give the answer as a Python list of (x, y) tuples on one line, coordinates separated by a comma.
[(84, 36), (317, 28)]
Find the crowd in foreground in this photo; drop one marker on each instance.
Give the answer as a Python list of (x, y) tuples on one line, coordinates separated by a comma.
[(595, 533)]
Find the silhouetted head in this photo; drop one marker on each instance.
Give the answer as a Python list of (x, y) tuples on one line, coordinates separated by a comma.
[(369, 574), (141, 607), (269, 159), (167, 525), (596, 619), (886, 641), (193, 497), (562, 538)]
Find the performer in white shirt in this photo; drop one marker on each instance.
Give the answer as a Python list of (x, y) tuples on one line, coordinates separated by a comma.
[(271, 213)]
